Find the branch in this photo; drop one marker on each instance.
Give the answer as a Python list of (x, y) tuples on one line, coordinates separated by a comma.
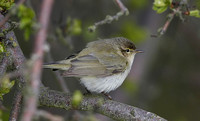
[(121, 6), (162, 30), (178, 10), (16, 106), (31, 97), (3, 65), (109, 19), (110, 108), (3, 68), (18, 59)]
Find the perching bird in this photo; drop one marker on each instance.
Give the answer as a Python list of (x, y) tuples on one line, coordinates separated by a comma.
[(102, 66)]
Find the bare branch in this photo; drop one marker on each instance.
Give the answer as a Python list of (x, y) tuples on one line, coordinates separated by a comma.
[(121, 5), (14, 114), (31, 98), (18, 60), (2, 22), (109, 19), (110, 108), (162, 30)]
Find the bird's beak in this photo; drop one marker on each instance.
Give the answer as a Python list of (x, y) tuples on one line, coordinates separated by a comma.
[(138, 51)]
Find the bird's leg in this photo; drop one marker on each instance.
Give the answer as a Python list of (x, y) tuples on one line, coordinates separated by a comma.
[(107, 95), (87, 92)]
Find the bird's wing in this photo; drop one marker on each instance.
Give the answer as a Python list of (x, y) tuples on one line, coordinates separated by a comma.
[(95, 65)]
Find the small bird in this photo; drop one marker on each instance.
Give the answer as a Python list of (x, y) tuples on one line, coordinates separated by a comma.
[(102, 66)]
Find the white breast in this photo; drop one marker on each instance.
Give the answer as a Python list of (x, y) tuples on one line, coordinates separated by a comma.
[(106, 84)]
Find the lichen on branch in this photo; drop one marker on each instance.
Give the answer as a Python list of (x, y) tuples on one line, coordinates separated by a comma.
[(96, 103)]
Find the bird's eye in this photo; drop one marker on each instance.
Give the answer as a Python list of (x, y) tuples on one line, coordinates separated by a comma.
[(127, 50)]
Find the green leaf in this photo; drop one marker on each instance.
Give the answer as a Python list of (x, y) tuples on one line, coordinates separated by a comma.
[(77, 98), (2, 48), (27, 33), (73, 26), (25, 22), (76, 27), (195, 13), (161, 5), (5, 86), (26, 16), (160, 10), (6, 4)]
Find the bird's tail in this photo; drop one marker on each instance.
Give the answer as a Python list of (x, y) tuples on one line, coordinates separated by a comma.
[(60, 65)]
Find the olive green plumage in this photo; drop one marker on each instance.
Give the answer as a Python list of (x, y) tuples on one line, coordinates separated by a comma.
[(100, 59)]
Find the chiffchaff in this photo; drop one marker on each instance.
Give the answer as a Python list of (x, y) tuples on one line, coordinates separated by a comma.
[(102, 66)]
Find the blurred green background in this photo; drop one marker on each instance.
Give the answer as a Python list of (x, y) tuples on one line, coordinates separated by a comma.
[(165, 79)]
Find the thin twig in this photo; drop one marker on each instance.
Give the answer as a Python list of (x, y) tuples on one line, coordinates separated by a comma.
[(121, 5), (166, 25), (31, 99), (178, 9), (170, 17), (109, 19)]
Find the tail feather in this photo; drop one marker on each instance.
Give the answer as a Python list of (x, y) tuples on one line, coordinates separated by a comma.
[(57, 65)]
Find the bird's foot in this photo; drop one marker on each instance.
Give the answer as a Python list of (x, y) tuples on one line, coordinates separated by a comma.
[(107, 95), (87, 92)]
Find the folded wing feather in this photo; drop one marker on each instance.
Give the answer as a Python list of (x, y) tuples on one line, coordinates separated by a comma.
[(89, 65)]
